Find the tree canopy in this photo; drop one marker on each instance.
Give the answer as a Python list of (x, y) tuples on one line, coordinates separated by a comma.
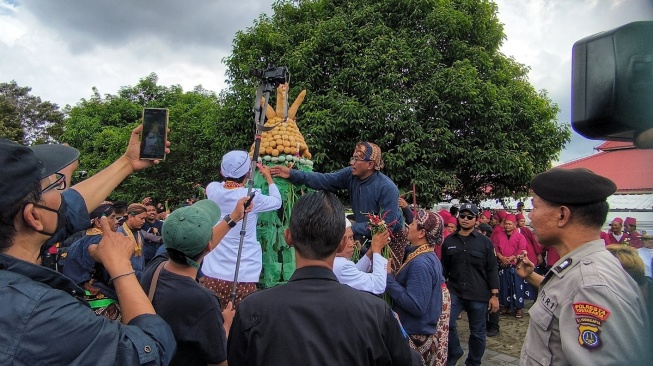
[(27, 119), (423, 79), (100, 128)]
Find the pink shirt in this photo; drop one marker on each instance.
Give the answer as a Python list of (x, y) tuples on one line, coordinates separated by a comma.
[(635, 240), (604, 236), (551, 256), (509, 247), (533, 248), (612, 240)]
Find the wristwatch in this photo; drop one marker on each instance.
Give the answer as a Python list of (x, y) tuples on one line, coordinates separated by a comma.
[(495, 294), (229, 221)]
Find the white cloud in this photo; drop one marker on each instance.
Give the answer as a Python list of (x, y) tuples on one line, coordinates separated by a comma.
[(61, 49), (12, 28)]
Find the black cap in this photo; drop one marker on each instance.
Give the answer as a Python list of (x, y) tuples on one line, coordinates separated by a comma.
[(578, 186), (469, 207), (485, 227), (22, 167)]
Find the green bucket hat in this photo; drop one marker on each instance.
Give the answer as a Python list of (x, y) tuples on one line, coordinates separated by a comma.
[(189, 229)]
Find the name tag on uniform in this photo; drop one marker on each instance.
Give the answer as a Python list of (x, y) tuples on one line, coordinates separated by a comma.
[(546, 301)]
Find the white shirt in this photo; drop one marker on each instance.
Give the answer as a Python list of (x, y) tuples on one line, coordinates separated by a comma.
[(647, 255), (220, 263), (357, 276), (618, 238)]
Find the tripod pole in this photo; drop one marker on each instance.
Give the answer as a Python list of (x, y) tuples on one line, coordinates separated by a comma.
[(264, 90)]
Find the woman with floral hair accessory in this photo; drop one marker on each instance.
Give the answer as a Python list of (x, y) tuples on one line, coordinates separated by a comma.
[(419, 293)]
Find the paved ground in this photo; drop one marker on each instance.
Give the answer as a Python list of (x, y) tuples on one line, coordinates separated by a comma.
[(491, 358), (503, 349)]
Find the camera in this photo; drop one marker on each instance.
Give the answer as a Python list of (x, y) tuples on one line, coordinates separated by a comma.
[(273, 75)]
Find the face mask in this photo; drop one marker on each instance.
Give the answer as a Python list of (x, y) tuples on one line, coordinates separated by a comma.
[(61, 224)]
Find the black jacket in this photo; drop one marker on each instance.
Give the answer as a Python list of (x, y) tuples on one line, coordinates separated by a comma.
[(470, 266), (314, 320)]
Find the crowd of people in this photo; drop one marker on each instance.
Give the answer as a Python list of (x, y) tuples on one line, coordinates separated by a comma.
[(142, 285)]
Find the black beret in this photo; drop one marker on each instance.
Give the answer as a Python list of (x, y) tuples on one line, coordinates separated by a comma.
[(578, 186)]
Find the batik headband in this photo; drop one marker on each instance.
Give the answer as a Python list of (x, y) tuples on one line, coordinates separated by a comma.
[(368, 151), (431, 222)]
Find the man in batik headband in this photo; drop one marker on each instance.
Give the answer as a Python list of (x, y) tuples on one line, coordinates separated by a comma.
[(131, 228), (370, 192)]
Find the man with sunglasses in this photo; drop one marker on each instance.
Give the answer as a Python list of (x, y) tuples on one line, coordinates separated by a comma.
[(470, 266), (42, 317)]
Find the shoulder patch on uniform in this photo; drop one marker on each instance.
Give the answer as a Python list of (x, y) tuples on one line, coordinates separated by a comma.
[(585, 309), (589, 318), (588, 336)]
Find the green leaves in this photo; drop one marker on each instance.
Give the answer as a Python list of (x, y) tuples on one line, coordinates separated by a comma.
[(200, 134), (25, 118), (423, 79)]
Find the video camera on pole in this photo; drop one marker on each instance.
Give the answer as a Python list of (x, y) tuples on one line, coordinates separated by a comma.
[(270, 78), (272, 75)]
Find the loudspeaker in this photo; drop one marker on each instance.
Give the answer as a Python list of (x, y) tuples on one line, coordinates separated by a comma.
[(612, 83)]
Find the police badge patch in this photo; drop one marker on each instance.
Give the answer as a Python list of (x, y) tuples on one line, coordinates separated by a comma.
[(589, 318), (588, 336)]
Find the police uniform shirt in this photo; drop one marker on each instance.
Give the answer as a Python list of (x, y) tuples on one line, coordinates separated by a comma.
[(589, 312)]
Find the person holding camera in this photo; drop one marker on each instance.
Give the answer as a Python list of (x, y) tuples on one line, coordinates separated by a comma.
[(43, 319), (219, 265)]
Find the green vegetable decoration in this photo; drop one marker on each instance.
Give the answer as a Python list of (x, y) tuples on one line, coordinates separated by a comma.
[(281, 144), (377, 225)]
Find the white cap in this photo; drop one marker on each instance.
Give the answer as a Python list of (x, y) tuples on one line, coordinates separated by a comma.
[(235, 164), (347, 223)]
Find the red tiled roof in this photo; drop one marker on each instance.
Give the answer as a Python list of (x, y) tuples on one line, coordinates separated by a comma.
[(630, 169), (614, 145)]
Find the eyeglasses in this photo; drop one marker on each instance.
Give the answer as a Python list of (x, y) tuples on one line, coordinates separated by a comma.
[(466, 217), (354, 159), (59, 184)]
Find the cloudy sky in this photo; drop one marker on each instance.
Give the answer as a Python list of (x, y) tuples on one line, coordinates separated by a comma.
[(61, 49)]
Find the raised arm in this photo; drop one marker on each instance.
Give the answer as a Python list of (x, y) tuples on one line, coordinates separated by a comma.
[(98, 187)]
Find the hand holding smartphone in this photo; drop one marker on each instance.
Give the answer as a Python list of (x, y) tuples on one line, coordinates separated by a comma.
[(155, 134)]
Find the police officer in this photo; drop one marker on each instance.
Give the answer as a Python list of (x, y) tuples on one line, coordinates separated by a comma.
[(588, 311)]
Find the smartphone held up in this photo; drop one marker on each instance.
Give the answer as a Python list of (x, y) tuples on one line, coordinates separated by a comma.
[(155, 134)]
